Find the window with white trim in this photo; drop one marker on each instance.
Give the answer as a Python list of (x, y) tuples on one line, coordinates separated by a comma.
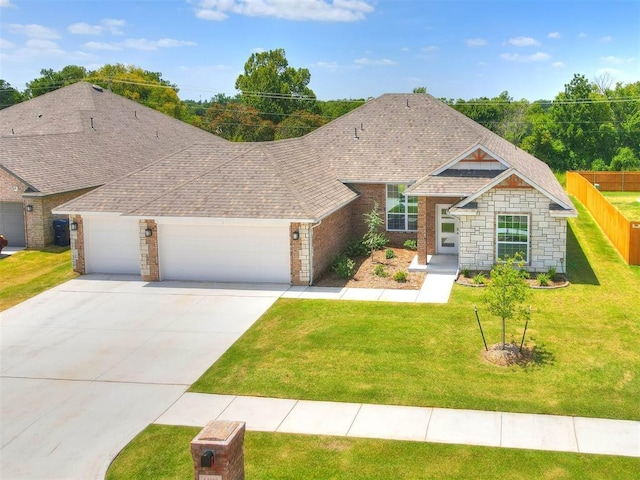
[(402, 212), (512, 236)]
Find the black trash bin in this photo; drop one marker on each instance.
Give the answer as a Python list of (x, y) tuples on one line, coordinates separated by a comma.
[(61, 233)]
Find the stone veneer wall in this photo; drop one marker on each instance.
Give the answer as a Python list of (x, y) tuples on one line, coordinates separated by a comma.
[(300, 254), (78, 262), (548, 235), (369, 194), (149, 264)]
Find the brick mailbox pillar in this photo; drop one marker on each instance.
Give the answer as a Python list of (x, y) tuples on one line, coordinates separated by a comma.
[(218, 451)]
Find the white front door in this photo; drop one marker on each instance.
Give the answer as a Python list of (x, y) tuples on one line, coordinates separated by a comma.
[(447, 238)]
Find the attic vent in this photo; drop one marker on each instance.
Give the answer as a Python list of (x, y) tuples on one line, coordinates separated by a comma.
[(98, 88), (408, 103), (355, 135), (39, 115)]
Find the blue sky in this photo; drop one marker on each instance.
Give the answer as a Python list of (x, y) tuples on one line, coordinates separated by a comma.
[(352, 48)]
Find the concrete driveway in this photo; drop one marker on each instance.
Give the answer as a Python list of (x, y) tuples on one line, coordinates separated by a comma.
[(87, 365)]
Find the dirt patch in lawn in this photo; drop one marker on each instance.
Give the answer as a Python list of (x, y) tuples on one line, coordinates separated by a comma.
[(365, 276)]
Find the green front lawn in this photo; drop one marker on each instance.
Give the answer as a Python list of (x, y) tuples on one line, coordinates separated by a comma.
[(628, 203), (30, 272), (162, 452), (587, 337)]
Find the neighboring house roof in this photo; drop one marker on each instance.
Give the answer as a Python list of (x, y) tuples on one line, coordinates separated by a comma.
[(81, 136), (396, 138)]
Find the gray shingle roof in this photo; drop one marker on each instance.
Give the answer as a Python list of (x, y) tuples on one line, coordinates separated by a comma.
[(78, 137), (401, 138), (235, 180)]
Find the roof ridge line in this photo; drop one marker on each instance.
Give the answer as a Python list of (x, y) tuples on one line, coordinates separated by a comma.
[(301, 203)]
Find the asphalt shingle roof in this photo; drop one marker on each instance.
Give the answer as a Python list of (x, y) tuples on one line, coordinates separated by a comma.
[(401, 138), (78, 137)]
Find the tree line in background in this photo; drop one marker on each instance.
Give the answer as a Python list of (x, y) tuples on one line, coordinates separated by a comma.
[(591, 125)]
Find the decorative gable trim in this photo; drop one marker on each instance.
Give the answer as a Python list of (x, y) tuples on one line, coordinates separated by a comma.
[(513, 181), (506, 176), (476, 154)]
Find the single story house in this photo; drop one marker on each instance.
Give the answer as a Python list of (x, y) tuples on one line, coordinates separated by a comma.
[(60, 145), (282, 211)]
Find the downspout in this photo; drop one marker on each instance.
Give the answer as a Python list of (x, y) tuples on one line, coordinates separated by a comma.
[(311, 251)]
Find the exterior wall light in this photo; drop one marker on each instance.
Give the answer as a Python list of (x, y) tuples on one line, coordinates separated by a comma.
[(295, 235), (29, 208), (73, 226), (148, 232)]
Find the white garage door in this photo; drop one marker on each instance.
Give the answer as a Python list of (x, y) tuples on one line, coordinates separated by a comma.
[(112, 245), (224, 253), (12, 223)]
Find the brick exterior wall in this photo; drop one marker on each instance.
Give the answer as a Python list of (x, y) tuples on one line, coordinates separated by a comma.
[(149, 264), (78, 262), (369, 194), (428, 224), (226, 440), (11, 188), (547, 237), (330, 239)]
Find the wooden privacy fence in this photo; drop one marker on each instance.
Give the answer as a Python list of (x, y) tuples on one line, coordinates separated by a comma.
[(614, 181), (624, 235)]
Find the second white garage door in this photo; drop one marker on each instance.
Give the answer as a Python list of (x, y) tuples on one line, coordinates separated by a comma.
[(224, 253)]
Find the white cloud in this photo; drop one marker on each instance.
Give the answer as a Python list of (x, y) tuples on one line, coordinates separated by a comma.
[(145, 44), (374, 62), (554, 35), (607, 39), (523, 42), (476, 42), (430, 48), (84, 29), (6, 4), (113, 26), (516, 57), (558, 64), (34, 31), (5, 44), (107, 25), (310, 10), (101, 46), (616, 60)]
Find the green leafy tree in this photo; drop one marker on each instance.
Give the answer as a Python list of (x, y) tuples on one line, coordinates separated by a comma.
[(238, 123), (273, 88), (625, 159), (51, 80), (582, 119), (8, 95), (507, 291), (298, 124), (143, 86), (333, 109), (420, 90)]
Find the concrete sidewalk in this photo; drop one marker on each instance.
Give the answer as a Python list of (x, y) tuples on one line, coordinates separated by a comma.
[(469, 427), (442, 271)]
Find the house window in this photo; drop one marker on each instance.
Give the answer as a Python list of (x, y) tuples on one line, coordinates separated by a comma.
[(513, 236), (402, 212)]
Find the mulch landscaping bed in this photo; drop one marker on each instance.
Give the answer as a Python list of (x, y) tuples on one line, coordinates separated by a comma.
[(558, 281), (366, 278)]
